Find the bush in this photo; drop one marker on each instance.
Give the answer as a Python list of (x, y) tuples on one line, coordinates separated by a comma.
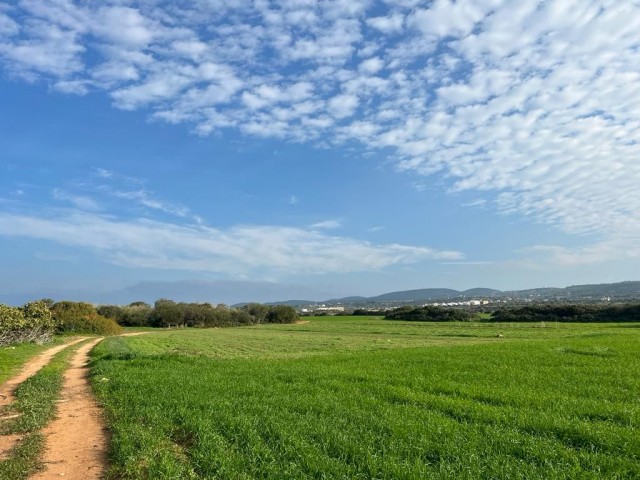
[(281, 314), (81, 317), (429, 314), (30, 323)]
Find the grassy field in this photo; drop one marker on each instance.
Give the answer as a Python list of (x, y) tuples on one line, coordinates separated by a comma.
[(345, 397)]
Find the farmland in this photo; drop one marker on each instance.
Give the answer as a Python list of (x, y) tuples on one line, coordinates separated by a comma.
[(350, 397)]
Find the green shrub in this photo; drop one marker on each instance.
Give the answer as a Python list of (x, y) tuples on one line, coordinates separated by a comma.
[(32, 322), (429, 313), (81, 317)]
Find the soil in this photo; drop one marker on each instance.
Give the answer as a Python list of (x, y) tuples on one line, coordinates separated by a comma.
[(6, 443), (76, 442)]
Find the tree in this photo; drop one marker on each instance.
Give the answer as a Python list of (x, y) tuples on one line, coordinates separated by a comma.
[(258, 311), (282, 314), (167, 313)]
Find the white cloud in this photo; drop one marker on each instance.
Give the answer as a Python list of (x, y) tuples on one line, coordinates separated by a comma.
[(79, 201), (124, 25), (389, 24), (145, 243), (8, 26), (371, 65), (344, 105)]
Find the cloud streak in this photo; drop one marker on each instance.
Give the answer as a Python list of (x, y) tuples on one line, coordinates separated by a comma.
[(240, 250)]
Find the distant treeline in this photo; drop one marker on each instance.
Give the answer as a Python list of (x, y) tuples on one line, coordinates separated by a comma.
[(532, 313), (569, 313), (167, 313)]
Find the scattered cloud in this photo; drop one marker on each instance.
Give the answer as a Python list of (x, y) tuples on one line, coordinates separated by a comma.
[(534, 105), (79, 201), (144, 198)]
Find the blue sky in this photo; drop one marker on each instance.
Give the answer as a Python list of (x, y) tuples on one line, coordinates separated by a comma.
[(266, 150)]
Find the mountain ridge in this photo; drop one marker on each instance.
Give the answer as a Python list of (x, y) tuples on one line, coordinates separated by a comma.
[(618, 290)]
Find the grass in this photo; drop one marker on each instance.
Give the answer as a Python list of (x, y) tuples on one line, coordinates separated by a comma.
[(13, 357), (368, 398), (23, 458), (36, 404)]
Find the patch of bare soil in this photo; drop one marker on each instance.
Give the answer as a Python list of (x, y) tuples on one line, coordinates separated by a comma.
[(76, 442), (7, 442)]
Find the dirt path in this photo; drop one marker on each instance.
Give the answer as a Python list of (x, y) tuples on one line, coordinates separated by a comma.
[(76, 442), (30, 368), (7, 390)]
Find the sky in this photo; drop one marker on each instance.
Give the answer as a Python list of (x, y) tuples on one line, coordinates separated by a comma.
[(236, 150)]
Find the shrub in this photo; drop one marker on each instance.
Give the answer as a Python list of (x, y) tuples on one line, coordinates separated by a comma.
[(81, 317), (429, 314), (281, 314), (30, 323)]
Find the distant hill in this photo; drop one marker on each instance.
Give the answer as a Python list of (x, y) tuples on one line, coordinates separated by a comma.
[(614, 291), (292, 303), (416, 295), (482, 292)]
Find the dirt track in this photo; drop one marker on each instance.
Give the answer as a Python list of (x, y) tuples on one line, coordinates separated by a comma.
[(76, 442), (32, 367), (8, 389)]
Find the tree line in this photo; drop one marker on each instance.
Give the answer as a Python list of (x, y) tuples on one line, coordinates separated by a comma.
[(584, 313), (167, 313), (38, 321)]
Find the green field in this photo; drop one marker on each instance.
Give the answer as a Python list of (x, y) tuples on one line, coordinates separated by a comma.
[(348, 397)]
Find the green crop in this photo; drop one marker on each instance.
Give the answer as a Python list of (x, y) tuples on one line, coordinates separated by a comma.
[(366, 398)]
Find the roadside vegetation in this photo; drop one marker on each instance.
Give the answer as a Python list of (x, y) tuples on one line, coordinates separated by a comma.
[(361, 397), (33, 322)]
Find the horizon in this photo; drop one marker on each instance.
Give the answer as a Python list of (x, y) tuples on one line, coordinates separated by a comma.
[(214, 292), (356, 146)]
